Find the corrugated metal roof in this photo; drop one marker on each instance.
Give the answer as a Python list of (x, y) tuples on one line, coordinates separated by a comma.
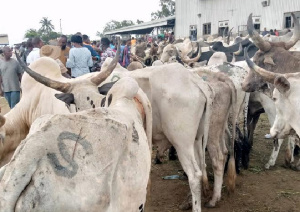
[(144, 27)]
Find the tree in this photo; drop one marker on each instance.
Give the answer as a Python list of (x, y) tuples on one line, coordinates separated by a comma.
[(112, 25), (47, 26), (139, 21), (167, 9), (30, 33)]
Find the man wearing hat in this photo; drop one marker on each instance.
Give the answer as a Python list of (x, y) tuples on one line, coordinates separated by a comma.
[(54, 53)]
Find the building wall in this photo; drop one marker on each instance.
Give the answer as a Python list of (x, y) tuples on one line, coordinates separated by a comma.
[(235, 11)]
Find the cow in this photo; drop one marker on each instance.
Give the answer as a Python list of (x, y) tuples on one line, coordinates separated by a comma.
[(272, 56), (99, 157), (38, 100), (285, 95), (163, 86)]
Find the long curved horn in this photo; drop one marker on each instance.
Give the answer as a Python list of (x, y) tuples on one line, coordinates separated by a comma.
[(101, 77), (195, 59), (238, 52), (59, 86), (257, 40), (296, 34), (266, 75), (228, 37)]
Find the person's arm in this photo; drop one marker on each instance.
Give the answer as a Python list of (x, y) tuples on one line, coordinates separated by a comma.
[(90, 60), (71, 60), (19, 72)]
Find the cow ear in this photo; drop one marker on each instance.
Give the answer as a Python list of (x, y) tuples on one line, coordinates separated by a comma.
[(68, 98), (269, 60), (282, 84)]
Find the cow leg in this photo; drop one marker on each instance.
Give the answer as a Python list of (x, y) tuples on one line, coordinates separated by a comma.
[(274, 154), (191, 168), (218, 159), (289, 155)]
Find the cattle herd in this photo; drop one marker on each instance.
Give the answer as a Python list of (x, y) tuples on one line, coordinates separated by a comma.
[(85, 144)]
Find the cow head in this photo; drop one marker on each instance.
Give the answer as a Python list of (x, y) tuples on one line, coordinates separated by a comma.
[(82, 92), (285, 97), (271, 56)]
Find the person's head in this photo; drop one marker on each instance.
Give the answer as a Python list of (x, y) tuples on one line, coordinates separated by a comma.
[(85, 39), (271, 30), (132, 38), (29, 44), (105, 43), (69, 44), (76, 39), (37, 42), (128, 42), (275, 30), (123, 42), (265, 29), (62, 42), (94, 43), (78, 33), (7, 52)]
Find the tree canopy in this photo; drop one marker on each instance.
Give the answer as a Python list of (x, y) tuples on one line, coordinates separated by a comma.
[(167, 9)]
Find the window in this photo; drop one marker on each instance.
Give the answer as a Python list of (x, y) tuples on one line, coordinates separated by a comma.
[(288, 22), (207, 29)]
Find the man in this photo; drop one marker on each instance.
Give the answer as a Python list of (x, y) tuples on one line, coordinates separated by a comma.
[(10, 76), (87, 44), (64, 54), (133, 41), (106, 50), (35, 53), (264, 32)]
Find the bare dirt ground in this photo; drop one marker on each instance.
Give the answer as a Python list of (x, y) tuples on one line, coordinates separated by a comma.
[(257, 189)]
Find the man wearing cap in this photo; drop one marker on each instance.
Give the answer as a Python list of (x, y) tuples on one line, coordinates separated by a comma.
[(10, 76), (54, 53)]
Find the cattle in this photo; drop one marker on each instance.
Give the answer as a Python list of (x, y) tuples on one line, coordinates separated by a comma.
[(38, 100), (134, 65), (192, 111), (285, 95), (93, 160), (273, 57)]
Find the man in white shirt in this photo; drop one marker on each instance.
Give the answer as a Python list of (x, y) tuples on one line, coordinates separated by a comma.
[(35, 53)]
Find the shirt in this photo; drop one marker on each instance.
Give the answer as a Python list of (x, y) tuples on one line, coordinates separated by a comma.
[(9, 71), (107, 53), (33, 55), (80, 59)]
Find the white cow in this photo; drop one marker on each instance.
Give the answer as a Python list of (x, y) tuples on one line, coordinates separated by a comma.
[(95, 160), (285, 95)]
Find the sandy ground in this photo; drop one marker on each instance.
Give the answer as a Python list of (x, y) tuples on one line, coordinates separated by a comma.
[(257, 190)]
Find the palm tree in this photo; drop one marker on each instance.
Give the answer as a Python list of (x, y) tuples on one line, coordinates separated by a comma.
[(47, 26)]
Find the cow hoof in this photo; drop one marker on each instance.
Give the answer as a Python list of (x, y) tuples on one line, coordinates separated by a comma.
[(209, 205), (267, 166), (187, 204), (173, 157), (157, 161)]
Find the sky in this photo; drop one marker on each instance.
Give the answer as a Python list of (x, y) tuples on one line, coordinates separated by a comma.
[(87, 18)]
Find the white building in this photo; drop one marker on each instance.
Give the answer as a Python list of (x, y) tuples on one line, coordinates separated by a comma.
[(210, 17)]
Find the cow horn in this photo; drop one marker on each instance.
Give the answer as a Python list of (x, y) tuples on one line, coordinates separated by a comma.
[(195, 59), (59, 86), (257, 40), (228, 37), (2, 120), (296, 34), (99, 78), (210, 49), (266, 75), (239, 51)]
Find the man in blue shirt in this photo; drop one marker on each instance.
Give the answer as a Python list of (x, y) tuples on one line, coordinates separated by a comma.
[(86, 43)]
